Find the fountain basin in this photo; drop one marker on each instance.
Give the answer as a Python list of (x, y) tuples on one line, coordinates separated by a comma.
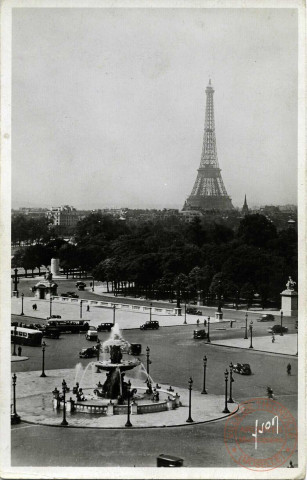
[(140, 406)]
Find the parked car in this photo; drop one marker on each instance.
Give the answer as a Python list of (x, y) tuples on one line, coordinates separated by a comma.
[(88, 352), (153, 325), (91, 334), (266, 317), (278, 329), (242, 368), (105, 327), (14, 324), (200, 334), (135, 349), (53, 316), (194, 311)]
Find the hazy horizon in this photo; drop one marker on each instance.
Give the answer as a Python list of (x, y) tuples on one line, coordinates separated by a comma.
[(108, 105)]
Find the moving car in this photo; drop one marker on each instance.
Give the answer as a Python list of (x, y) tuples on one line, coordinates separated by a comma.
[(242, 368), (88, 352), (135, 349), (91, 334), (200, 334), (153, 325), (266, 317), (51, 332), (194, 311), (105, 327), (277, 329), (80, 285)]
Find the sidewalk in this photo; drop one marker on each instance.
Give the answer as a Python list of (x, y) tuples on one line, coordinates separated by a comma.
[(102, 291), (286, 345), (35, 404), (125, 318)]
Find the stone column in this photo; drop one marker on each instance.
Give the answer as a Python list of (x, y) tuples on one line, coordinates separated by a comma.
[(55, 267), (289, 299)]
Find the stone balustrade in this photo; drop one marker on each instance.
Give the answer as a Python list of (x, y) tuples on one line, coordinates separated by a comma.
[(120, 306)]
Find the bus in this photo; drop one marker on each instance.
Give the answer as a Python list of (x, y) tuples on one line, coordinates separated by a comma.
[(69, 326), (26, 336)]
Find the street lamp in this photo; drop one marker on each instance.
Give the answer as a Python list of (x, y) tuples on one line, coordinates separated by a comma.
[(219, 294), (43, 365), (16, 281), (15, 336), (150, 312), (231, 380), (205, 367), (185, 313), (128, 423), (281, 315), (226, 381), (64, 422), (114, 308), (251, 330), (14, 417), (22, 296), (50, 305), (190, 420), (246, 337), (208, 338), (81, 302), (147, 358)]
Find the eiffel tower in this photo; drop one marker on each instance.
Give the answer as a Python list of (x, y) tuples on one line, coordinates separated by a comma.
[(209, 192)]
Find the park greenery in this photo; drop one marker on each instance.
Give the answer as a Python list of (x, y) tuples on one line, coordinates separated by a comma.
[(169, 259)]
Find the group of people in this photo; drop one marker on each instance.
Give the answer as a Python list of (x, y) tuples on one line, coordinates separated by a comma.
[(34, 306)]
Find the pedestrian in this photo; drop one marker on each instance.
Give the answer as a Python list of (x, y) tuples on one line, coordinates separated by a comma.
[(290, 464), (270, 393), (33, 306), (205, 323), (273, 338), (197, 322), (88, 308), (289, 369), (231, 322), (19, 351)]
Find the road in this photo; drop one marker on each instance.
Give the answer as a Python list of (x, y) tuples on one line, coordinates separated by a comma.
[(175, 357)]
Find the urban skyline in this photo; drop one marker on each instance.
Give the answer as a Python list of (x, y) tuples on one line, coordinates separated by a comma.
[(122, 110)]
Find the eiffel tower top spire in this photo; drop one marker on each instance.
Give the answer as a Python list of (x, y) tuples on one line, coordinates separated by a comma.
[(209, 153)]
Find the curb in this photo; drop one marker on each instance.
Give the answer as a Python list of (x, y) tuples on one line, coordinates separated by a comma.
[(254, 349), (135, 427)]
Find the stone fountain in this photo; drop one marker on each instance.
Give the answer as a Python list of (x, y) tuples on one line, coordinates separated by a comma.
[(111, 396)]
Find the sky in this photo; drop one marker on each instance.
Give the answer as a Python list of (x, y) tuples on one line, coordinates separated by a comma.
[(108, 105)]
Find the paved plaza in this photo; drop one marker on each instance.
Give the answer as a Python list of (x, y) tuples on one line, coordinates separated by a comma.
[(175, 356)]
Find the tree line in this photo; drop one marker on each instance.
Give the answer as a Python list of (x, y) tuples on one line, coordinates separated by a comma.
[(161, 259)]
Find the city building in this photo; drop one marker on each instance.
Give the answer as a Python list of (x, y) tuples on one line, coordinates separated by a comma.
[(64, 218)]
